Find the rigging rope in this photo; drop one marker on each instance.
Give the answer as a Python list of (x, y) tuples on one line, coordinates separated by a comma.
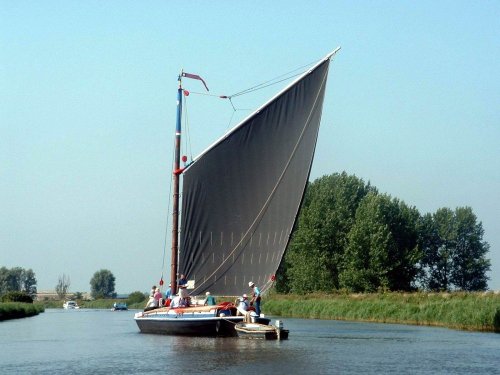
[(187, 138), (273, 81), (168, 216)]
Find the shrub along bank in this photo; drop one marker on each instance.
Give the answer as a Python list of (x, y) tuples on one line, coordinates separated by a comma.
[(15, 310), (466, 311)]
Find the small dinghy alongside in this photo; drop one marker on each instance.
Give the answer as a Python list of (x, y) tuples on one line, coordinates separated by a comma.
[(260, 331)]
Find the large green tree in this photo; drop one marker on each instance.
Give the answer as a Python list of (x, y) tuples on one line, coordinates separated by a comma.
[(315, 252), (382, 250), (102, 284)]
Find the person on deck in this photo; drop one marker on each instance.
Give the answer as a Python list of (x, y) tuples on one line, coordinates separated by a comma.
[(151, 300), (255, 301), (176, 301), (152, 291), (168, 295), (182, 281), (185, 300), (157, 298), (210, 300), (243, 305)]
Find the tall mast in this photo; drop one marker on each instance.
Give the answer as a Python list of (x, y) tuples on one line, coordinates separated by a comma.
[(175, 208), (177, 172)]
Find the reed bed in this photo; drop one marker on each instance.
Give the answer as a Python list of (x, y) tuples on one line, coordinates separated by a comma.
[(465, 311), (15, 310)]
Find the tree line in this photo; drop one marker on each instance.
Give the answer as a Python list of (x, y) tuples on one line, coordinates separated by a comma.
[(18, 279), (351, 237)]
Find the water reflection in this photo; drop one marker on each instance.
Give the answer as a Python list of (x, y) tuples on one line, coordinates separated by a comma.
[(231, 352)]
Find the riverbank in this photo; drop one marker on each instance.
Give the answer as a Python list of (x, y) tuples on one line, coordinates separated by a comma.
[(16, 310), (465, 311)]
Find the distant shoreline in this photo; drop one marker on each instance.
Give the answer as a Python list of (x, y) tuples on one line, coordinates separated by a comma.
[(479, 311)]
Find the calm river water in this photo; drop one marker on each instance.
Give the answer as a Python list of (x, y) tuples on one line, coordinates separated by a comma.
[(105, 342)]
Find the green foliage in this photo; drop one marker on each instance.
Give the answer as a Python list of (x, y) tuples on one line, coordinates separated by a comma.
[(469, 259), (78, 295), (136, 297), (17, 297), (17, 279), (348, 236), (382, 248), (314, 256), (454, 250), (15, 310), (102, 284)]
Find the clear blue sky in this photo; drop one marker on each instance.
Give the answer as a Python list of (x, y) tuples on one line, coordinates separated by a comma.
[(87, 114)]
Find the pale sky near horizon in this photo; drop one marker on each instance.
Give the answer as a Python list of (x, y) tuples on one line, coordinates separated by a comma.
[(87, 114)]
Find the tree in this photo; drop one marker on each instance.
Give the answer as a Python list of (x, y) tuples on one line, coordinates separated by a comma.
[(428, 243), (29, 283), (454, 250), (136, 297), (17, 297), (366, 255), (17, 279), (62, 286), (78, 295), (320, 237), (382, 250), (441, 257), (102, 284), (469, 258), (4, 280)]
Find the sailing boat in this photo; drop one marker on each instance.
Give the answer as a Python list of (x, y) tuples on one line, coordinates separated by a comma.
[(240, 200)]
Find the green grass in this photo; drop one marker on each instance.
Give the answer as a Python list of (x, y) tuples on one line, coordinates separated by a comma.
[(15, 310), (466, 311)]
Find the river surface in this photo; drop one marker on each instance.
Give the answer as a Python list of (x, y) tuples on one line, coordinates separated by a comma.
[(104, 342)]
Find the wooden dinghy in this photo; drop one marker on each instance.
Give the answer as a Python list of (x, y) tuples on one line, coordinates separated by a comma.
[(260, 331)]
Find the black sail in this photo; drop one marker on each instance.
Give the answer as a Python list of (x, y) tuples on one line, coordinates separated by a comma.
[(241, 197)]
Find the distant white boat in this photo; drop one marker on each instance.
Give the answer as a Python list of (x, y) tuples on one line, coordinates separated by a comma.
[(69, 305)]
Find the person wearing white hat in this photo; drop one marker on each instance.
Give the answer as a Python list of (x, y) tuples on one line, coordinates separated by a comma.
[(255, 301), (210, 300), (243, 305)]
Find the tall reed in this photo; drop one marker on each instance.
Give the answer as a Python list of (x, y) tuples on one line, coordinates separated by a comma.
[(467, 311)]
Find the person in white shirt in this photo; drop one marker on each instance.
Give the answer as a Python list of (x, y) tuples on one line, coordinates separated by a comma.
[(243, 305)]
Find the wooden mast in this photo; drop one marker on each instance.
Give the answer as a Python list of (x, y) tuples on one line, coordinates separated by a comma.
[(175, 207), (177, 172)]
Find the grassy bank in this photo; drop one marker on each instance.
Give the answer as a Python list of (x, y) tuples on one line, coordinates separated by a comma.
[(466, 311), (15, 310)]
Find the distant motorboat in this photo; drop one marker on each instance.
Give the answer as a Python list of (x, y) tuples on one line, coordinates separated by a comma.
[(69, 305), (120, 306)]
